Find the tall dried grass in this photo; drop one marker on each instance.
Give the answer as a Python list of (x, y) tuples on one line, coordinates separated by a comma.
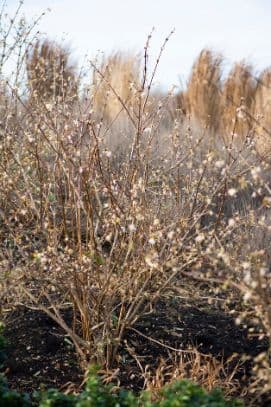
[(203, 90), (118, 77), (50, 73), (237, 101), (262, 113), (202, 369)]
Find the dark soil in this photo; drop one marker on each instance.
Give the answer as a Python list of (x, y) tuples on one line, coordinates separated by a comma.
[(40, 355), (210, 331)]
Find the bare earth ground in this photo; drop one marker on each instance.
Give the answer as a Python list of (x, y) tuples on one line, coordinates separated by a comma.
[(40, 355)]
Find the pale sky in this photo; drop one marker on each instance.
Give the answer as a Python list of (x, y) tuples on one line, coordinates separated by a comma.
[(240, 29)]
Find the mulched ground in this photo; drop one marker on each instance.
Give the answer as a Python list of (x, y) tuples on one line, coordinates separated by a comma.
[(40, 355), (210, 331)]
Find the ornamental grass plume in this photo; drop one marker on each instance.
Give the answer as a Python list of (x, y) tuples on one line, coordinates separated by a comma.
[(50, 73), (203, 90), (237, 102), (116, 79), (262, 112)]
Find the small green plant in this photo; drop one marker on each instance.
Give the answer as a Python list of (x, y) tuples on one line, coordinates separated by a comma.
[(96, 394), (187, 394), (11, 398), (53, 398), (179, 394)]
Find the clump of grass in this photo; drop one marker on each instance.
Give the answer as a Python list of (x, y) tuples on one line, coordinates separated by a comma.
[(118, 77), (203, 90), (204, 370), (50, 73), (262, 113), (238, 95)]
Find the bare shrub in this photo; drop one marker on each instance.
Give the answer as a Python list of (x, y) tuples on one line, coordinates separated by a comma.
[(106, 231)]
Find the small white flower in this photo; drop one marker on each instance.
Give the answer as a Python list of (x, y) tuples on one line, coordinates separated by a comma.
[(247, 296), (108, 154), (220, 163), (151, 241), (247, 277), (246, 265), (231, 222), (147, 130), (30, 138), (170, 234), (152, 260), (200, 238), (132, 227), (255, 172), (49, 107), (232, 191), (254, 284)]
